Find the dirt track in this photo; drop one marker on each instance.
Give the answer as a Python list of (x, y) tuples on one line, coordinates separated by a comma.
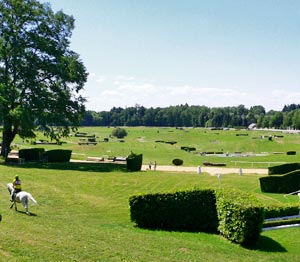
[(210, 170)]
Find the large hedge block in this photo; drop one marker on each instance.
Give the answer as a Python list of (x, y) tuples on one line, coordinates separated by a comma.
[(240, 216), (134, 162), (31, 154), (185, 211), (285, 184), (58, 155), (283, 169)]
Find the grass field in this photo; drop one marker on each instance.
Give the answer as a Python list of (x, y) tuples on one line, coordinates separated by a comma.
[(246, 148), (83, 215), (83, 212)]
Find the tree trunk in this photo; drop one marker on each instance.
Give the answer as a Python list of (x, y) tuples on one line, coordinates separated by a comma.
[(8, 136)]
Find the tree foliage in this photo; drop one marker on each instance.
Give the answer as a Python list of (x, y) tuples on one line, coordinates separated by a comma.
[(40, 77), (195, 116)]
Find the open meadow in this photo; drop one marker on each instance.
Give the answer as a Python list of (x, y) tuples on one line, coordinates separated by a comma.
[(83, 212), (235, 148)]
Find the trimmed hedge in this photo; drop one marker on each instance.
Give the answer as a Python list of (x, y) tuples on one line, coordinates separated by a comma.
[(240, 216), (285, 184), (32, 154), (134, 162), (237, 215), (187, 148), (291, 153), (58, 155), (281, 210), (185, 211), (283, 169)]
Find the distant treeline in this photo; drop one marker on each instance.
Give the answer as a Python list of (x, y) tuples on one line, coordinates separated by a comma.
[(196, 116)]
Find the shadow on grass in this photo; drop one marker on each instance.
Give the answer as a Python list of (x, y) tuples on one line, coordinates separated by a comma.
[(266, 244), (30, 214), (77, 166)]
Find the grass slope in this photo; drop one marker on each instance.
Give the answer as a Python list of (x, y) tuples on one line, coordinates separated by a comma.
[(83, 215)]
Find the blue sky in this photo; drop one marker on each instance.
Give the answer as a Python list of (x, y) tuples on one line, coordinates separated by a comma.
[(158, 53)]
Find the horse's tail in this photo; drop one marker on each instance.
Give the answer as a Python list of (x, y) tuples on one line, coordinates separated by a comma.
[(10, 187), (32, 198)]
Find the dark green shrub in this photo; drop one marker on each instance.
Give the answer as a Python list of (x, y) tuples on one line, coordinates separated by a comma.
[(193, 210), (32, 154), (275, 223), (134, 162), (171, 142), (283, 169), (92, 139), (119, 132), (58, 155), (177, 162), (291, 153), (281, 210), (287, 183), (188, 149), (240, 216)]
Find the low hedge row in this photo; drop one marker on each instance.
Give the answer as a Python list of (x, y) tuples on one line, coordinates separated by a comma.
[(281, 210), (187, 148), (283, 169), (39, 154), (32, 154), (186, 210), (58, 155), (236, 215), (285, 184)]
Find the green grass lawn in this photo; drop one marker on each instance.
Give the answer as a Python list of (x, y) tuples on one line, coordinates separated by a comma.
[(83, 215), (144, 140)]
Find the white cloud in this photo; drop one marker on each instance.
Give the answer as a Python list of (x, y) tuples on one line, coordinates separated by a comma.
[(124, 91)]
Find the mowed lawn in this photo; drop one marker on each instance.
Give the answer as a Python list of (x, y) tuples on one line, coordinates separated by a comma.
[(246, 148), (83, 215)]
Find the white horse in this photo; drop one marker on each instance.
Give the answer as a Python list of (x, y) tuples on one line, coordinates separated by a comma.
[(21, 197)]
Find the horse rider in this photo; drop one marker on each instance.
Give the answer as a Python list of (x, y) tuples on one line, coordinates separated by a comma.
[(17, 188)]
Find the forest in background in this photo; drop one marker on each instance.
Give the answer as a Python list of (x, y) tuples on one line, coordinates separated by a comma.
[(196, 116)]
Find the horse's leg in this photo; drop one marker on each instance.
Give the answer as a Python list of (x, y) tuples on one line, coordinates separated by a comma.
[(15, 203), (25, 204)]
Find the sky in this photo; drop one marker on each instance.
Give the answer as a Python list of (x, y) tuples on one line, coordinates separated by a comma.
[(160, 53)]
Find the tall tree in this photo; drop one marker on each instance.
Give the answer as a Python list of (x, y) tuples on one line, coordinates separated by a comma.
[(40, 77)]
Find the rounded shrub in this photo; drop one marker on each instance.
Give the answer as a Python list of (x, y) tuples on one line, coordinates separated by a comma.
[(177, 162)]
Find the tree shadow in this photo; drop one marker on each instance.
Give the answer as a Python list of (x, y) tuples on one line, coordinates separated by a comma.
[(266, 244), (77, 166)]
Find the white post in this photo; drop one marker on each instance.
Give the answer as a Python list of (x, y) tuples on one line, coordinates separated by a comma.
[(240, 171), (199, 170), (220, 179)]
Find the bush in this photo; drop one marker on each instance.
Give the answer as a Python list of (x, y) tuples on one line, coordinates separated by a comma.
[(287, 183), (58, 155), (283, 169), (281, 210), (193, 210), (177, 162), (119, 132), (188, 149), (240, 216), (291, 153), (134, 162), (32, 154)]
